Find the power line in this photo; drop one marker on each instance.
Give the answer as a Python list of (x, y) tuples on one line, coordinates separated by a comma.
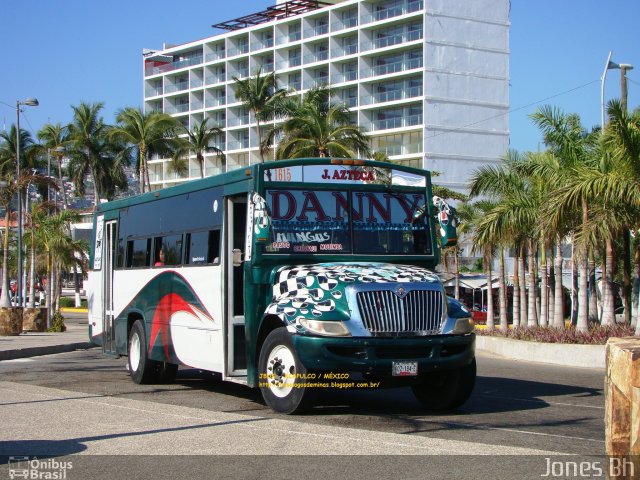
[(519, 108)]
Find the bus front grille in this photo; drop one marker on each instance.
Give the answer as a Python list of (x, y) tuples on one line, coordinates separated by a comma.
[(419, 312)]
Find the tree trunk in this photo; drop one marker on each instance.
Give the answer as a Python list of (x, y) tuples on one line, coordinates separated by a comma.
[(532, 319), (5, 300), (608, 310), (502, 292), (552, 291), (636, 282), (259, 132), (544, 288), (516, 288), (593, 289), (49, 288), (583, 301), (76, 284), (626, 275), (65, 202), (523, 289), (200, 160), (141, 173), (96, 189), (32, 273), (490, 317), (574, 284), (558, 308)]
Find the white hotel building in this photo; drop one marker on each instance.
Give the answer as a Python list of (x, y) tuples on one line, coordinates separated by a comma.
[(427, 79)]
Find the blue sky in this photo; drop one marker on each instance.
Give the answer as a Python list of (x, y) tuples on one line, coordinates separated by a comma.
[(70, 51)]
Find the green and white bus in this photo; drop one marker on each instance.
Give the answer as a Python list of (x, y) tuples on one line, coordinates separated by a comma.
[(284, 276)]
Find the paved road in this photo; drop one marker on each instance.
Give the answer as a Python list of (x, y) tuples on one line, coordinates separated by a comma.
[(84, 402)]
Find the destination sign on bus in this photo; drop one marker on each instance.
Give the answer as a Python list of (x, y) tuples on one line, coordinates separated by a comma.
[(341, 174), (308, 221)]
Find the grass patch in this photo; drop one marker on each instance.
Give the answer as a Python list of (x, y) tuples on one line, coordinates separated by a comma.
[(597, 334)]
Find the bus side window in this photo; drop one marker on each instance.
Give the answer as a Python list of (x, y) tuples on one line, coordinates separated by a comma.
[(172, 245), (202, 247), (129, 256), (138, 253), (213, 254)]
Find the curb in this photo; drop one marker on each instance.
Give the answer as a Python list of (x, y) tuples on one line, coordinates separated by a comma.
[(43, 350), (564, 354), (74, 310)]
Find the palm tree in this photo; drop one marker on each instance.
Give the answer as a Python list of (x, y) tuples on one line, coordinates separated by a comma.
[(54, 139), (86, 132), (484, 239), (11, 186), (512, 216), (568, 140), (53, 235), (549, 174), (261, 95), (622, 140), (144, 133), (199, 142), (8, 161), (317, 127)]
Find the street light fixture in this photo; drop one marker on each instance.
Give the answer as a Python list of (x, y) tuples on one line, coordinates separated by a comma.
[(608, 66), (29, 102)]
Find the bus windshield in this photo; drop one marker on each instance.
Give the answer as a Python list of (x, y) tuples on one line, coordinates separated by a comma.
[(348, 221)]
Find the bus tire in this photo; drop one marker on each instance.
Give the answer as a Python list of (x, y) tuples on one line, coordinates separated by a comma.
[(446, 390), (141, 368), (279, 369)]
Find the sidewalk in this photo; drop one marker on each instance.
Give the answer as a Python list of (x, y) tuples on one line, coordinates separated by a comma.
[(33, 344)]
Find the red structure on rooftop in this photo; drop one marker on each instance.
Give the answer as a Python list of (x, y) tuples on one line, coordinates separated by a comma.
[(277, 12)]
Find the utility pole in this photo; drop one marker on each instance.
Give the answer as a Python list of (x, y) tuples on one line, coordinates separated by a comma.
[(626, 237)]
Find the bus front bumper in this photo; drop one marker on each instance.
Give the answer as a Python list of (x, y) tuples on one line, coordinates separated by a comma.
[(377, 355)]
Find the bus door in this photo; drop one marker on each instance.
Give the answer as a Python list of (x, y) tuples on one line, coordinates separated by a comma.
[(235, 245), (108, 259)]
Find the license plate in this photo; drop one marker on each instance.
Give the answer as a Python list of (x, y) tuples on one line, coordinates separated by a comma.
[(404, 369)]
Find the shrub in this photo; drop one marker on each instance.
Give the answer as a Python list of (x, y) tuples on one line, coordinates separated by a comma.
[(57, 323), (597, 334), (70, 302), (66, 302)]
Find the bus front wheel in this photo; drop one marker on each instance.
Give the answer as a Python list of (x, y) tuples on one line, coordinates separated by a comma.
[(281, 374), (446, 390)]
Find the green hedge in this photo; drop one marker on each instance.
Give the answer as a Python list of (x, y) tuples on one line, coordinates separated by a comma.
[(70, 302)]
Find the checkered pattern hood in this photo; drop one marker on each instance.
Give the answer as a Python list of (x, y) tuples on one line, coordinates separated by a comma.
[(318, 291)]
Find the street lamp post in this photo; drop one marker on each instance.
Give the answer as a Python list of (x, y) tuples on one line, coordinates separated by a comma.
[(30, 102), (608, 66)]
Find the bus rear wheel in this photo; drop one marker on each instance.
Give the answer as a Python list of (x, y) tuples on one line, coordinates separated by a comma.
[(446, 390), (141, 368), (281, 375)]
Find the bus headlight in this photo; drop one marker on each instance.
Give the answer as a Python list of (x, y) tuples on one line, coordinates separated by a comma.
[(463, 325), (330, 329)]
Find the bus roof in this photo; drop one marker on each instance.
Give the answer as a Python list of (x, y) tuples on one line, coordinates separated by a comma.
[(243, 179)]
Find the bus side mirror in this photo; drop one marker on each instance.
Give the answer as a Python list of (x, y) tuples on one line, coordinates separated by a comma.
[(448, 222), (261, 219), (448, 227)]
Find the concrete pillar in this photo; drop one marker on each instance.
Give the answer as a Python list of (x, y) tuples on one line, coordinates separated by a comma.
[(622, 407)]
